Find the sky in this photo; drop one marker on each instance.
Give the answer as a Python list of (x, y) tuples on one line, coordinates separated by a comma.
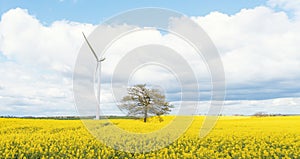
[(258, 41)]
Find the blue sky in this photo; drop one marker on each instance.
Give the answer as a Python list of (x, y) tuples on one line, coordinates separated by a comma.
[(95, 11), (257, 41)]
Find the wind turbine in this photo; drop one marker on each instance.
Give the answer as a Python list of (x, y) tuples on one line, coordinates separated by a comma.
[(97, 72)]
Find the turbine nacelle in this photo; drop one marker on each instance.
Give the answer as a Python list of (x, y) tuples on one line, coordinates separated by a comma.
[(101, 60)]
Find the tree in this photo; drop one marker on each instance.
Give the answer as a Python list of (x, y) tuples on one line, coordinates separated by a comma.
[(142, 101), (260, 114)]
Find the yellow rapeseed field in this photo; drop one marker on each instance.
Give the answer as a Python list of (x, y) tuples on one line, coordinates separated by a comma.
[(232, 137)]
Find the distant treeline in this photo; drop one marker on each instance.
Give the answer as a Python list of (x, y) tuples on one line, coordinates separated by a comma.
[(71, 117), (259, 114), (262, 114)]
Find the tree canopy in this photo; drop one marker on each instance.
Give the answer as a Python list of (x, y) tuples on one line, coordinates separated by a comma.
[(143, 101)]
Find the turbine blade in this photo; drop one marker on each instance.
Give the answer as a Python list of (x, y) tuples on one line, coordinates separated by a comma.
[(90, 47)]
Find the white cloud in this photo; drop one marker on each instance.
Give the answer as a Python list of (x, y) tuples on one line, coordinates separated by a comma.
[(257, 46), (248, 107), (36, 77), (270, 106), (290, 5), (26, 40), (27, 91)]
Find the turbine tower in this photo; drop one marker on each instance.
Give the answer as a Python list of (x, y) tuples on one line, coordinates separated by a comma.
[(96, 76)]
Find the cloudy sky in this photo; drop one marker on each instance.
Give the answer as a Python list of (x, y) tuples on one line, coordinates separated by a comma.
[(258, 41)]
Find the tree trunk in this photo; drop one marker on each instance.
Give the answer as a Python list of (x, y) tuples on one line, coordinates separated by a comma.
[(145, 115)]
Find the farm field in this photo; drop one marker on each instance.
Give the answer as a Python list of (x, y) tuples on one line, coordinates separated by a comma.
[(232, 137)]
